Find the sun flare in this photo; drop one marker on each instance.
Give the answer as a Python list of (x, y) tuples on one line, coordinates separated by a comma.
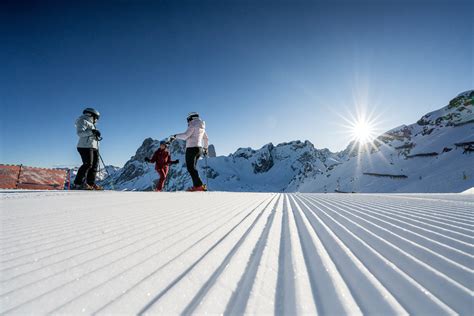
[(362, 124), (362, 131)]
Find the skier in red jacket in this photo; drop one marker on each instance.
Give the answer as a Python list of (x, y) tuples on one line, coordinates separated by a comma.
[(162, 160)]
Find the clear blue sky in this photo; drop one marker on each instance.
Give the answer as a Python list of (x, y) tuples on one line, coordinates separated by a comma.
[(257, 71)]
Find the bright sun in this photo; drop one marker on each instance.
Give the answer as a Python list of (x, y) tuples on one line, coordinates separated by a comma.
[(361, 125), (362, 131)]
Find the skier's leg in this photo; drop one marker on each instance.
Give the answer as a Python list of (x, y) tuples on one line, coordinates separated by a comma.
[(162, 179), (92, 172), (196, 159), (87, 157), (191, 165), (189, 162), (165, 174)]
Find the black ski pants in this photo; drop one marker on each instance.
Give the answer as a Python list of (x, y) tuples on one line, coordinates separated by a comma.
[(90, 163), (192, 157)]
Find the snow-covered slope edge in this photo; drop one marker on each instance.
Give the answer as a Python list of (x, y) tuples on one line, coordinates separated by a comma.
[(469, 191)]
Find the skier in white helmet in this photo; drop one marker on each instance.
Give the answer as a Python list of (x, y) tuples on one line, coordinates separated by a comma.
[(197, 144), (88, 148)]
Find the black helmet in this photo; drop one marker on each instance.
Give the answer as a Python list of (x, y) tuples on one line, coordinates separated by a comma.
[(191, 116), (92, 111), (164, 142)]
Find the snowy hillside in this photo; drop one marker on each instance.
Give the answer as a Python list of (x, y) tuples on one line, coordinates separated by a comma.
[(128, 253), (432, 155)]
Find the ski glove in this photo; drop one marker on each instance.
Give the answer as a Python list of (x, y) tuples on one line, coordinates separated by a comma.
[(204, 151), (147, 159), (96, 133), (175, 162)]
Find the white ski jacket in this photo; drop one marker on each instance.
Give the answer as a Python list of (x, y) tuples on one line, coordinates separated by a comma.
[(195, 135), (84, 127)]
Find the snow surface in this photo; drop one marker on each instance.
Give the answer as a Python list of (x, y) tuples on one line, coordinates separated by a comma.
[(258, 253), (468, 191)]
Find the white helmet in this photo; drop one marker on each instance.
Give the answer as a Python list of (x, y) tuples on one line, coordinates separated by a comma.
[(92, 112), (191, 116)]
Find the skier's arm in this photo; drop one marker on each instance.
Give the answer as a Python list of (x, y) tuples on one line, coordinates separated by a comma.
[(186, 134), (205, 141), (172, 162), (84, 128), (168, 160)]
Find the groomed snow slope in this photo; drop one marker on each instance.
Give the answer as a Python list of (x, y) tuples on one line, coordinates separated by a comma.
[(234, 253)]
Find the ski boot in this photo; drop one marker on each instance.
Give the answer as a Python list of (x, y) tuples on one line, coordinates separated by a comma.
[(97, 187), (200, 188), (83, 186)]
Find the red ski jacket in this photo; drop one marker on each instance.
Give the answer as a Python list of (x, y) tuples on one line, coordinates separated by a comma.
[(162, 159)]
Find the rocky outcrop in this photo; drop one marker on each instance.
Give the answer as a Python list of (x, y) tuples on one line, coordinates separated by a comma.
[(270, 168)]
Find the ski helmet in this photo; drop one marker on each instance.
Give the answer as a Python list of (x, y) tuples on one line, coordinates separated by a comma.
[(91, 111), (164, 142), (191, 116)]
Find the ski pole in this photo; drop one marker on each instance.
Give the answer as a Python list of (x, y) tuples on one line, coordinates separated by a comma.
[(99, 139), (105, 167), (107, 171), (207, 170), (99, 167)]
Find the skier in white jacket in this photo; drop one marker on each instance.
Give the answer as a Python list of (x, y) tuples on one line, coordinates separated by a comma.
[(88, 148), (197, 144)]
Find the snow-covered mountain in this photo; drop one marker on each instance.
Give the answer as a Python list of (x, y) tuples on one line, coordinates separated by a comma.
[(432, 155), (271, 168)]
